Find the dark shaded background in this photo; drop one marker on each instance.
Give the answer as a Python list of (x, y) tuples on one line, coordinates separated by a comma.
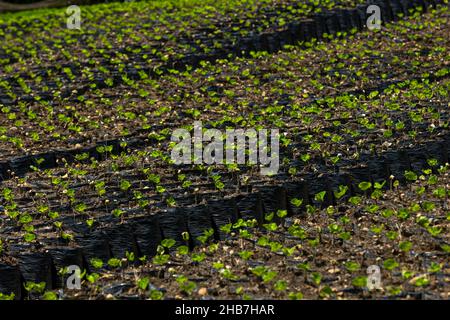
[(74, 1), (19, 5)]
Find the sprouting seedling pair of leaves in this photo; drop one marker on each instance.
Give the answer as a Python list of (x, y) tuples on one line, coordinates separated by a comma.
[(183, 250), (100, 188), (92, 277), (264, 273), (245, 254), (245, 234), (280, 285), (125, 185), (269, 216), (226, 228), (320, 196), (80, 207), (104, 149), (118, 212), (410, 176), (96, 263), (228, 274), (198, 257), (364, 185), (5, 297), (168, 243), (217, 182), (143, 283), (161, 258), (114, 262), (297, 231), (34, 287), (282, 213), (208, 233), (352, 266), (241, 223), (296, 202), (271, 226), (185, 285)]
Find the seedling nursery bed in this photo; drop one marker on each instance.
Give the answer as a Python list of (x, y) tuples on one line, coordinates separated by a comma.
[(87, 177)]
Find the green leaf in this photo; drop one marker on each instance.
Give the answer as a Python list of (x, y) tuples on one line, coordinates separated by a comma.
[(185, 235), (360, 282), (373, 208), (269, 216), (282, 213), (226, 228), (269, 275), (406, 274), (156, 294), (245, 254), (390, 264), (93, 277), (183, 250), (364, 185), (198, 257), (434, 267), (341, 192), (355, 200), (271, 226), (130, 256), (280, 285), (304, 266), (373, 94), (114, 262), (160, 189), (35, 287), (143, 283), (352, 266), (405, 246), (29, 237), (379, 186), (118, 212), (218, 265), (345, 235), (50, 295), (296, 202), (168, 243), (421, 281), (96, 263), (161, 259), (7, 296), (125, 185), (320, 196), (263, 241), (80, 207), (90, 222), (316, 278), (25, 218), (410, 176), (325, 292), (295, 296)]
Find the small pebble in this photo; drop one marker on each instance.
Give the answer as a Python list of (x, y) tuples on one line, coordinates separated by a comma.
[(203, 291)]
